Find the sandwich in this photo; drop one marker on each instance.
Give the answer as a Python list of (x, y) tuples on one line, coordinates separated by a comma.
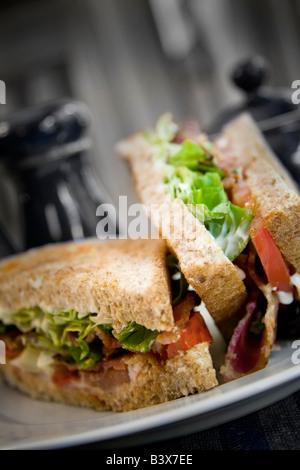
[(102, 324), (239, 214)]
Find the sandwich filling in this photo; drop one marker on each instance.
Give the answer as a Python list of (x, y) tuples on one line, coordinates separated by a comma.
[(190, 173), (78, 349), (216, 192)]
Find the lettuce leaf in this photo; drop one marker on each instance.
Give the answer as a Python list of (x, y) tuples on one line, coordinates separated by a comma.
[(195, 157), (86, 355), (231, 232), (136, 337), (25, 318), (190, 173), (164, 131), (209, 201), (107, 328), (3, 327), (68, 331), (64, 333), (227, 223)]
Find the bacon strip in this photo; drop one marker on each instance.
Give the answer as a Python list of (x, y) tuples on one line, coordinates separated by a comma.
[(189, 130), (110, 344), (248, 352), (111, 374), (181, 313), (13, 343)]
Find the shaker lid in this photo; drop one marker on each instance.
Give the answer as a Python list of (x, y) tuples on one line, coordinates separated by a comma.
[(261, 102), (45, 132)]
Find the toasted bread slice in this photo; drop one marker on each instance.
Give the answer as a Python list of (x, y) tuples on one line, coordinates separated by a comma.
[(148, 382), (120, 280), (206, 268), (274, 193)]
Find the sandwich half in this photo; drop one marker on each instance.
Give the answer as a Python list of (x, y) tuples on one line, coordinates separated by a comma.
[(256, 179), (102, 325), (239, 214)]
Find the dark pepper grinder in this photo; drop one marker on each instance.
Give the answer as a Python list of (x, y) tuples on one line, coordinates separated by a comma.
[(6, 247), (272, 109), (44, 149)]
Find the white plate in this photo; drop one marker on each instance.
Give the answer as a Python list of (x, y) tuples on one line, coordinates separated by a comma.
[(30, 424)]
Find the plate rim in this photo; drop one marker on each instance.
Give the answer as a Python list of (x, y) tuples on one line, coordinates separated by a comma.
[(220, 398)]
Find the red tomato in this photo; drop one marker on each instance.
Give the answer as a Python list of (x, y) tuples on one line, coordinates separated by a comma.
[(273, 263), (194, 332), (62, 377), (12, 353)]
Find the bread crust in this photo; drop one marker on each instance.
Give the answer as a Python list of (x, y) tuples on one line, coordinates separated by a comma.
[(122, 280), (150, 383), (206, 268), (274, 194)]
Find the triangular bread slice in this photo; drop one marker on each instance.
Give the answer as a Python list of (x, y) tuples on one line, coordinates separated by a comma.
[(214, 277), (149, 384), (274, 193), (121, 281)]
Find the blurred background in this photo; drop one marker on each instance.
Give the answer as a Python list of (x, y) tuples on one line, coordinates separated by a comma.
[(130, 61)]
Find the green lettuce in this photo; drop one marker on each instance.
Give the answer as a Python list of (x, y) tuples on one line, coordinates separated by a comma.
[(25, 318), (136, 337), (208, 201), (81, 353), (164, 131), (195, 157), (61, 332), (59, 325), (190, 173), (208, 198), (64, 333), (231, 232), (3, 327), (86, 355), (107, 328)]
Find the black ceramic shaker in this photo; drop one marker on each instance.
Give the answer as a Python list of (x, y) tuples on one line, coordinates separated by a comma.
[(44, 148)]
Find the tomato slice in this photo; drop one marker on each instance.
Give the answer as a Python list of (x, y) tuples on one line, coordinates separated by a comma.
[(63, 377), (194, 332), (273, 263)]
